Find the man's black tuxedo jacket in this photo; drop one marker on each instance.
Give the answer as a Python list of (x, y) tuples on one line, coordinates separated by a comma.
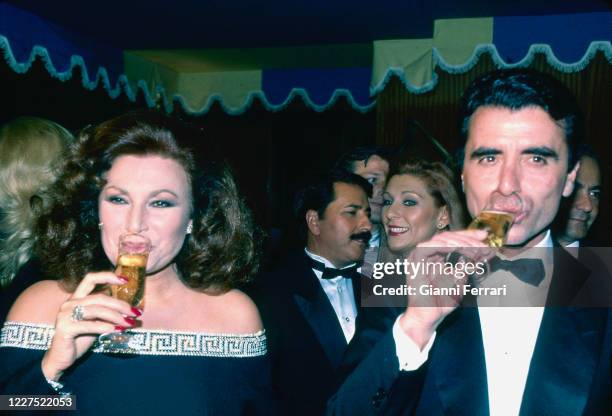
[(305, 339), (569, 374)]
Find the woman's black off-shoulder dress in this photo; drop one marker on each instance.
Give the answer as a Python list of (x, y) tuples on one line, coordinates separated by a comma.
[(163, 372)]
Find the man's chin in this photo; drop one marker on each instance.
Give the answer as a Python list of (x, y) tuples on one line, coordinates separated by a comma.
[(358, 254), (576, 233), (519, 237)]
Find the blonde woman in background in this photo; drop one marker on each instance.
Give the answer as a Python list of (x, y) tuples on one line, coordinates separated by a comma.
[(30, 149), (421, 199)]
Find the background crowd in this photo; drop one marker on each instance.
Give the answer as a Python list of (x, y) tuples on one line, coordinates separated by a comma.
[(264, 321)]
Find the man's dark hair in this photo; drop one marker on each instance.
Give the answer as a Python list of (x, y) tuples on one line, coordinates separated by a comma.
[(586, 150), (361, 154), (319, 192), (516, 89)]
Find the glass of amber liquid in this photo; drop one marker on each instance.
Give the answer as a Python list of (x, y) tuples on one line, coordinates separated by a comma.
[(496, 224), (133, 253)]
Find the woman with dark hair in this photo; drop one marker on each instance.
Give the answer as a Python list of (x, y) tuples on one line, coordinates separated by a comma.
[(197, 345)]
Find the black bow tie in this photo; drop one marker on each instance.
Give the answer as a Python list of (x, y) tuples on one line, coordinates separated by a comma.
[(330, 272), (530, 271)]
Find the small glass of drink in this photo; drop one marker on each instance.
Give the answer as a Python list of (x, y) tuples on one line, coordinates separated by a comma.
[(133, 253), (496, 224)]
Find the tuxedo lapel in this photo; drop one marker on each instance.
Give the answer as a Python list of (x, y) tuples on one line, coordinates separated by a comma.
[(318, 312), (459, 373), (564, 361), (568, 278), (568, 345)]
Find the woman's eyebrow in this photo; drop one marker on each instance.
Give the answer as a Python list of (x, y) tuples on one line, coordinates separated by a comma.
[(161, 191), (116, 188)]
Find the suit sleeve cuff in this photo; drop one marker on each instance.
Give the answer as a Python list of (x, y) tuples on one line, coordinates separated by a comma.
[(409, 355)]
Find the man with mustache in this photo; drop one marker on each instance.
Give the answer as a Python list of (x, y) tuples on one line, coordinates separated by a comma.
[(519, 132), (372, 164), (310, 303), (576, 219)]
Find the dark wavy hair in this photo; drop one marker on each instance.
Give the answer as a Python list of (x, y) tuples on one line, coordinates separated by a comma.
[(224, 247), (519, 88), (362, 154)]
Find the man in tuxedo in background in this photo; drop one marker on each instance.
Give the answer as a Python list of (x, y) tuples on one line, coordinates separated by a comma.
[(519, 130), (310, 303), (579, 214), (372, 164)]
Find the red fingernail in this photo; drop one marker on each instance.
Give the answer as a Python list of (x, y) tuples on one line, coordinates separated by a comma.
[(123, 279), (120, 328), (136, 311), (130, 321)]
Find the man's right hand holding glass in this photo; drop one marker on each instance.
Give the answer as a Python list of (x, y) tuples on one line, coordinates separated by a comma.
[(425, 312)]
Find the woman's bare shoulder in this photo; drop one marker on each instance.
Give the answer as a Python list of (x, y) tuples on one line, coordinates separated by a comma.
[(39, 303), (232, 313)]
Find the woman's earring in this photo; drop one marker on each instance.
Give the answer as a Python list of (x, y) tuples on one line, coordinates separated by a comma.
[(100, 225), (189, 228), (441, 226)]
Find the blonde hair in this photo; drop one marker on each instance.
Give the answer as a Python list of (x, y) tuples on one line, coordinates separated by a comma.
[(441, 184), (30, 149)]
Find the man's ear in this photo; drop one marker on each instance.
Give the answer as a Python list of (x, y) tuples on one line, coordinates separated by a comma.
[(568, 188), (312, 222)]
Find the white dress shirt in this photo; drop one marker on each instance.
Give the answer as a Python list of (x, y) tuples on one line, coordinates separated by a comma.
[(509, 335), (339, 291), (573, 247)]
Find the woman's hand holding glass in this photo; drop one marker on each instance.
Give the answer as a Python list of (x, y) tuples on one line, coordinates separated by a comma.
[(133, 254), (81, 318)]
